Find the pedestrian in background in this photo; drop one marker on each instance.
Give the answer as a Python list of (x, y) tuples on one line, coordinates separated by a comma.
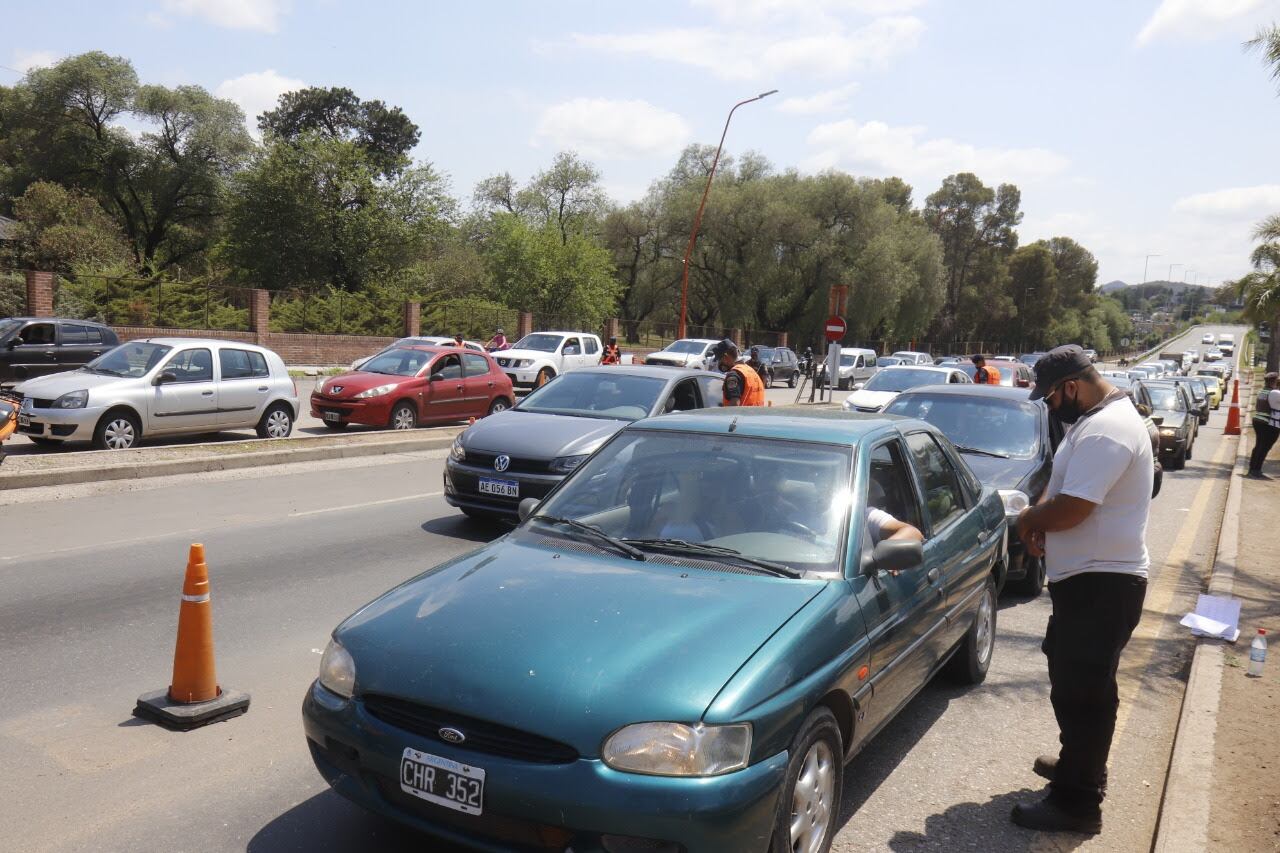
[(984, 375), (742, 385), (1090, 526), (1266, 425), (612, 355)]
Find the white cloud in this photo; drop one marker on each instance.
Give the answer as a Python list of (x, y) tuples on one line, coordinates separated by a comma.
[(905, 151), (261, 15), (257, 92), (763, 54), (1194, 17), (598, 127), (830, 101), (1236, 203), (25, 60)]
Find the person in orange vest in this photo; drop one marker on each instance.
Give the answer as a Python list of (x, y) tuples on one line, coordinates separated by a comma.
[(742, 385), (612, 355), (984, 375)]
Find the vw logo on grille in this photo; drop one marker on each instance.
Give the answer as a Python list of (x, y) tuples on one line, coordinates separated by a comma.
[(502, 463), (335, 389), (452, 735)]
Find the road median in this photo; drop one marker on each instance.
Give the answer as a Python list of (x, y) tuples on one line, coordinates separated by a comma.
[(57, 469)]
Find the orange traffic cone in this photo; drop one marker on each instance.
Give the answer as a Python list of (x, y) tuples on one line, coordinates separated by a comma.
[(1233, 412), (194, 697)]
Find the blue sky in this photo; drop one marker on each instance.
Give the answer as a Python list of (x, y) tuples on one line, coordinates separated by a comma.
[(1135, 126)]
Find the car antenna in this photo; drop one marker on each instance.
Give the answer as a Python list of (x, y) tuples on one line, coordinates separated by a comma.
[(733, 424)]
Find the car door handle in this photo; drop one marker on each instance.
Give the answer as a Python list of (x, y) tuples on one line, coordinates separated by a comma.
[(206, 393), (263, 388), (51, 352)]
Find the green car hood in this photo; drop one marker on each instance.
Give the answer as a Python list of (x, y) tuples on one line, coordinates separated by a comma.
[(565, 644)]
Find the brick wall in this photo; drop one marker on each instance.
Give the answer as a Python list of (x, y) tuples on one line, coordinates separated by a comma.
[(293, 348)]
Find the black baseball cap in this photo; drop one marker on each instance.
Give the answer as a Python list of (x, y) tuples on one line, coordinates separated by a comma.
[(1056, 365), (723, 347), (977, 357)]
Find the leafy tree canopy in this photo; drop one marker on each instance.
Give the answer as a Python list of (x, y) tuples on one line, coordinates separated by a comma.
[(384, 133)]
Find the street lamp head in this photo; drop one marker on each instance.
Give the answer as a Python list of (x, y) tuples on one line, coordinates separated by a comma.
[(767, 94)]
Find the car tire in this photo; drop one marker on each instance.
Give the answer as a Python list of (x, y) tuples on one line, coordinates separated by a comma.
[(809, 807), (118, 430), (545, 375), (1031, 583), (403, 417), (791, 380), (842, 384), (276, 422), (1190, 445), (501, 404), (1177, 462), (973, 655)]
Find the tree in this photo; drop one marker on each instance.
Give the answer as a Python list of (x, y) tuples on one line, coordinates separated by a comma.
[(384, 133), (1077, 270), (1259, 290), (1267, 42), (58, 229), (1033, 286)]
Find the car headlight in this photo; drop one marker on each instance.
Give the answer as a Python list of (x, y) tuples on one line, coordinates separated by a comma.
[(1170, 431), (565, 464), (458, 453), (676, 749), (522, 362), (72, 400), (338, 670), (1014, 501), (376, 392)]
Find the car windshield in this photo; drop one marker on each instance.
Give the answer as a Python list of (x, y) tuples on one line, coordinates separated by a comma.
[(1166, 398), (847, 359), (133, 359), (887, 361), (1008, 427), (710, 489), (765, 353), (397, 362), (902, 378), (686, 348), (540, 342), (596, 395)]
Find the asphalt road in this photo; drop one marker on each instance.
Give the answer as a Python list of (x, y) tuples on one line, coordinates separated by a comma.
[(89, 585)]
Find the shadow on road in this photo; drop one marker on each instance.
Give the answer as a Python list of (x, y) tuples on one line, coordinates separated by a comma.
[(461, 527), (328, 822), (983, 826)]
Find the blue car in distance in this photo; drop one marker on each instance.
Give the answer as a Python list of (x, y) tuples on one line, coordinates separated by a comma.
[(650, 661)]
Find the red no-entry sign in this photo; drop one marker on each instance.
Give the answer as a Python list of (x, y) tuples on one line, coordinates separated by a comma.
[(835, 328)]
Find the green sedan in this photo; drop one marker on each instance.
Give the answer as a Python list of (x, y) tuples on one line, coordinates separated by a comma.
[(679, 648)]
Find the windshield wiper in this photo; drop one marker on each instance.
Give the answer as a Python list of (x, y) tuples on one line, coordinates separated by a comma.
[(686, 547), (978, 451), (596, 533)]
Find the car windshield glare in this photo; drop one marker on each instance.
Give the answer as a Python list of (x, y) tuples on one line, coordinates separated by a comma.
[(848, 359), (593, 395), (1008, 427), (131, 360), (902, 378), (685, 348), (397, 362), (539, 342), (1167, 399), (708, 489)]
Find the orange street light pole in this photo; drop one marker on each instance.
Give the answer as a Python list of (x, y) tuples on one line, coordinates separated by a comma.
[(697, 220)]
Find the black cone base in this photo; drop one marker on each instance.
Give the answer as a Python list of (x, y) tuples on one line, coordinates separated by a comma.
[(159, 708)]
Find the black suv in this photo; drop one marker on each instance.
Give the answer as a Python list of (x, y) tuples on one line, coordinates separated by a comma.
[(779, 364), (35, 346)]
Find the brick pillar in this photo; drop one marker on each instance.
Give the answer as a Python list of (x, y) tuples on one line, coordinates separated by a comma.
[(611, 328), (735, 335), (524, 325), (412, 319), (783, 339), (260, 314), (39, 293)]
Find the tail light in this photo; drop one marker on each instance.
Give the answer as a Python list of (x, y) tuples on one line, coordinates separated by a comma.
[(295, 385), (1023, 383)]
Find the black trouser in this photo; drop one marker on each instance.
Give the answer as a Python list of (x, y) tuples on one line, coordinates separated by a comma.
[(1094, 615), (1264, 435)]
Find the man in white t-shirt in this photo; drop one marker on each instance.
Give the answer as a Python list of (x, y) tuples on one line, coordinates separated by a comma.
[(1091, 526)]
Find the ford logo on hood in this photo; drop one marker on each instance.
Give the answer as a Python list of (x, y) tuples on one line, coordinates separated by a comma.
[(452, 735)]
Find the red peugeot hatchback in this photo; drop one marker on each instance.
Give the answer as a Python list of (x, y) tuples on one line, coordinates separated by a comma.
[(406, 386)]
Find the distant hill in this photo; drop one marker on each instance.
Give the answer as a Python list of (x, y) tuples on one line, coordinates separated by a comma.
[(1112, 286), (1176, 287)]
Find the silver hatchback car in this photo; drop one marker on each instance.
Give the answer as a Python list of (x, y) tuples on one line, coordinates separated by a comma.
[(161, 386)]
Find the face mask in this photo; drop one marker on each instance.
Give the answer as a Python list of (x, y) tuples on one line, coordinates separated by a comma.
[(1068, 411)]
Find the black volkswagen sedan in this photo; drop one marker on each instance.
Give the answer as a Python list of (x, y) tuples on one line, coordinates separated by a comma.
[(1007, 440), (527, 450)]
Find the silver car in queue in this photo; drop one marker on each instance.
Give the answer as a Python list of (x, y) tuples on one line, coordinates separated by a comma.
[(527, 450), (161, 386)]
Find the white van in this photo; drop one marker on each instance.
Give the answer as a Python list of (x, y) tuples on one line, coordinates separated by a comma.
[(1227, 343)]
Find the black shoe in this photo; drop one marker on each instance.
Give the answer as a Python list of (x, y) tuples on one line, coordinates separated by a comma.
[(1257, 475), (1045, 766), (1048, 816)]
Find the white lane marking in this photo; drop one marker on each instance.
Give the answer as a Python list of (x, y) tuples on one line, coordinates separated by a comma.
[(365, 504)]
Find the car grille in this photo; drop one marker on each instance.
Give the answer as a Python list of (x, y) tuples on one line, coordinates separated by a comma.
[(39, 403), (505, 362), (517, 466), (482, 736)]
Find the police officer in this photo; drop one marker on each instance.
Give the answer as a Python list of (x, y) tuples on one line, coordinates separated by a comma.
[(612, 355), (1266, 425), (742, 385), (984, 375)]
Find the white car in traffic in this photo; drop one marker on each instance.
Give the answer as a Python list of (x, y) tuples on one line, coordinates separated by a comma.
[(1207, 338), (538, 358), (686, 352), (889, 382)]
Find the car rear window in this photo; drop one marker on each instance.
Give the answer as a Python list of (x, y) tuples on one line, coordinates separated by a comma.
[(242, 364)]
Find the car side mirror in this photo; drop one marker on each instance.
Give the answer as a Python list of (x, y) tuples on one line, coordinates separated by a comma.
[(857, 386), (436, 377), (165, 377), (13, 344), (526, 508), (1157, 419), (1144, 410), (894, 555)]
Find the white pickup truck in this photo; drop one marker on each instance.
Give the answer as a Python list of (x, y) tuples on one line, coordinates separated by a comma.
[(540, 357)]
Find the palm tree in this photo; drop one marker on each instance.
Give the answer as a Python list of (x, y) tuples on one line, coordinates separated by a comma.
[(1260, 289), (1267, 42)]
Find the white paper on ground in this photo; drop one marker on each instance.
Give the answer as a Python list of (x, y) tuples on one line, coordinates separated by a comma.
[(1215, 616)]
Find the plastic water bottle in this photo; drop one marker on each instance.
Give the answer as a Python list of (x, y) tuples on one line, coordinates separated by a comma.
[(1257, 653)]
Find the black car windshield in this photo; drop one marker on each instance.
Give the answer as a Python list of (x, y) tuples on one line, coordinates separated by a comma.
[(765, 354), (996, 425), (540, 342), (685, 347), (397, 362), (133, 359), (768, 499), (902, 378), (596, 395), (1166, 398)]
